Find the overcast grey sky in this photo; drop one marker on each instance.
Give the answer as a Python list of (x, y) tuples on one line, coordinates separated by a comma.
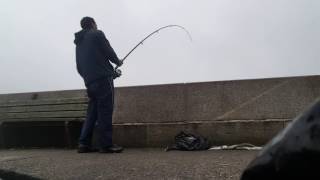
[(233, 39)]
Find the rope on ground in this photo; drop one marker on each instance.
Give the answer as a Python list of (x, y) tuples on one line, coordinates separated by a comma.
[(242, 146)]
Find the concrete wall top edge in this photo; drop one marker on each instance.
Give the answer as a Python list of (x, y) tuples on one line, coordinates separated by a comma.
[(222, 81), (157, 85)]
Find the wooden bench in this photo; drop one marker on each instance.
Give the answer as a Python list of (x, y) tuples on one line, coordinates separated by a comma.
[(43, 110), (41, 119)]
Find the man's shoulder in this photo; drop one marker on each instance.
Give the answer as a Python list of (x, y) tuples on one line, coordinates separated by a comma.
[(97, 33)]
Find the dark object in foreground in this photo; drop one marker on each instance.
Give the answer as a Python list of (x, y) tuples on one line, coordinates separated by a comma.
[(189, 142), (11, 175), (293, 154)]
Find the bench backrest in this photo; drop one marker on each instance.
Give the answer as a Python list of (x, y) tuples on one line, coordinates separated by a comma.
[(43, 106)]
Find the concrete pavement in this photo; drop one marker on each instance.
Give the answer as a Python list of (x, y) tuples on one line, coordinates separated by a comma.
[(140, 164)]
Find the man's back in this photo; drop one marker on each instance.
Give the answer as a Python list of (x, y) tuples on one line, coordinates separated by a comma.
[(92, 54)]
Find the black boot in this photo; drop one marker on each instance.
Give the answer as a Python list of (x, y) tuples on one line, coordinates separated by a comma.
[(86, 149), (113, 149)]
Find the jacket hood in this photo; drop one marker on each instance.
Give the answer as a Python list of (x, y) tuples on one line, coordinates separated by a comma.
[(79, 36)]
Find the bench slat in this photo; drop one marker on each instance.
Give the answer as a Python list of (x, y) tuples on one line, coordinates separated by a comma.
[(44, 102), (45, 119), (28, 115), (44, 108)]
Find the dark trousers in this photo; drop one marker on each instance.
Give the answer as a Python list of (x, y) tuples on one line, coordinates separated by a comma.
[(99, 113)]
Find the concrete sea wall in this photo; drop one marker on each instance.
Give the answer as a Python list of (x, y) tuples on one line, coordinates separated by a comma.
[(226, 112)]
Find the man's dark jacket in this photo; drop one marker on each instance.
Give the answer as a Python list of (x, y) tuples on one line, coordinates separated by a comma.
[(93, 52)]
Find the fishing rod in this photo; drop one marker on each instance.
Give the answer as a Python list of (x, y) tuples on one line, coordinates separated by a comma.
[(149, 35)]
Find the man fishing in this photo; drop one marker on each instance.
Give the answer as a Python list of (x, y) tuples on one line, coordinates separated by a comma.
[(93, 56)]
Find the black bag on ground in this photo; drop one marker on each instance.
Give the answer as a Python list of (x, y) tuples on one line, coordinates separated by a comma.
[(189, 142), (293, 154)]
